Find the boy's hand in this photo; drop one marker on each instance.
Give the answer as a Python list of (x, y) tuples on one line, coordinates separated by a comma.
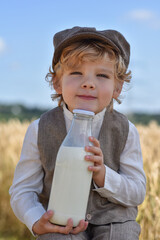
[(98, 168), (43, 225)]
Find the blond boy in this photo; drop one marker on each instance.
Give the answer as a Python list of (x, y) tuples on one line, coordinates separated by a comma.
[(89, 69)]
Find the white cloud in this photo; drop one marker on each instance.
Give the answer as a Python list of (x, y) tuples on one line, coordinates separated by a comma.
[(141, 15), (147, 17), (2, 45)]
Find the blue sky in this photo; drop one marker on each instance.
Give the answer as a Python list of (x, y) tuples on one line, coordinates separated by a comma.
[(26, 49)]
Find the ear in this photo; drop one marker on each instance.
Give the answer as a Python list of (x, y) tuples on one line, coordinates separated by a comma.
[(57, 85), (118, 89)]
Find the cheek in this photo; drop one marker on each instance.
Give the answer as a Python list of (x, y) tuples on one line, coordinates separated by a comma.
[(68, 90), (107, 90), (68, 83)]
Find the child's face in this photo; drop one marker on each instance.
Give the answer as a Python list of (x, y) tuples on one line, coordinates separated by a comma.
[(90, 86)]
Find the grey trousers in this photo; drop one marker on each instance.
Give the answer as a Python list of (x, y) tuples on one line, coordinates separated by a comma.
[(129, 230)]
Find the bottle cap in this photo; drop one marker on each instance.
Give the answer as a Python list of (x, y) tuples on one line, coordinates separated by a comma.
[(84, 112)]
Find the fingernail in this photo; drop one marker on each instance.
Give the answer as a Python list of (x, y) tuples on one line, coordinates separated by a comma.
[(70, 220), (50, 212)]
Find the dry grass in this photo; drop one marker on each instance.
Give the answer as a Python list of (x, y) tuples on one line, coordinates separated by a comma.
[(149, 211), (12, 134), (11, 139)]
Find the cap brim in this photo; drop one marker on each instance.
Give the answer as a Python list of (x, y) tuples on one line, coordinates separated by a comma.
[(78, 37)]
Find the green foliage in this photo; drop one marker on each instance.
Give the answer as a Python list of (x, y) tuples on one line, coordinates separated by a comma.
[(20, 112), (144, 119)]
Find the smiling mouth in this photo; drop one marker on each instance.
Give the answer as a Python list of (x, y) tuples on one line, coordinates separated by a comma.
[(87, 97)]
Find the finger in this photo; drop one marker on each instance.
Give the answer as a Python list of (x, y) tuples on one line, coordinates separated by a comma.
[(59, 229), (94, 150), (82, 226), (95, 141), (97, 160), (69, 226), (94, 168), (86, 225), (46, 216)]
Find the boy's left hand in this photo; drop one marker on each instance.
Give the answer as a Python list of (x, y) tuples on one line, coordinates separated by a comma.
[(98, 168)]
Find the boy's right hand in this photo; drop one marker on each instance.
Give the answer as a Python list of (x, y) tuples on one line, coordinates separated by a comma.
[(43, 225)]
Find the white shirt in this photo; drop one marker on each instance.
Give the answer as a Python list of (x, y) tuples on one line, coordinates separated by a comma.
[(127, 187)]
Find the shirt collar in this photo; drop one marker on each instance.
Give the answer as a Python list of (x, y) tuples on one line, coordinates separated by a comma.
[(96, 118)]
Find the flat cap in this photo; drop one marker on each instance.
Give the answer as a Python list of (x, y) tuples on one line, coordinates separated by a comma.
[(113, 38)]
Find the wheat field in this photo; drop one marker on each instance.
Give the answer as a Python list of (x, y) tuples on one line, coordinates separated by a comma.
[(11, 138)]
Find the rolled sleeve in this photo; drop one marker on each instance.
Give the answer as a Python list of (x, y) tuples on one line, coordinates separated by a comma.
[(28, 180), (128, 186)]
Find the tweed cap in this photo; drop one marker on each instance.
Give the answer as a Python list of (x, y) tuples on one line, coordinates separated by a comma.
[(113, 38)]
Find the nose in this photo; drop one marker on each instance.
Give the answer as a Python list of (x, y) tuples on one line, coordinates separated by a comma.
[(88, 83)]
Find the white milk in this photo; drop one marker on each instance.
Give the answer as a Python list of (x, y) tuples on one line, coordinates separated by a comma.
[(70, 186)]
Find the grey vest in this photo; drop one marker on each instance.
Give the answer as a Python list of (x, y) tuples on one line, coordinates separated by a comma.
[(112, 137)]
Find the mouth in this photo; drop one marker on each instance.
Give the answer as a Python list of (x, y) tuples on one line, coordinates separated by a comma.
[(86, 97)]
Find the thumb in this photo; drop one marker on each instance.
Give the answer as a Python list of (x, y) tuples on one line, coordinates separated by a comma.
[(47, 216)]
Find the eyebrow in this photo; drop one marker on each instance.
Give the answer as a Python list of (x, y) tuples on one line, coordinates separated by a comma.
[(105, 70)]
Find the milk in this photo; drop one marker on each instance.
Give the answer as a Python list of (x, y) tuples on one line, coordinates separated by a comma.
[(70, 186)]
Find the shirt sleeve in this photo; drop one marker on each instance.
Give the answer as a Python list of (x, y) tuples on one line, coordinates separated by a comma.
[(128, 186), (28, 181)]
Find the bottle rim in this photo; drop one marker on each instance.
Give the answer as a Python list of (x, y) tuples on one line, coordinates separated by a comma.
[(85, 112)]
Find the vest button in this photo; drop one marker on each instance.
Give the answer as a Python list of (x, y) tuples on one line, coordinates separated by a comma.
[(88, 216)]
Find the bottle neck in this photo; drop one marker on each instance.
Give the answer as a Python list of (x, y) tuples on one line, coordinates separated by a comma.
[(82, 124), (80, 131), (82, 116)]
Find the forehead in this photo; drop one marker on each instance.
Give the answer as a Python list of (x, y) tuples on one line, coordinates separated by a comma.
[(83, 51), (104, 62)]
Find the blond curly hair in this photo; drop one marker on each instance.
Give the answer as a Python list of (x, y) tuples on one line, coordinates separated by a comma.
[(79, 52)]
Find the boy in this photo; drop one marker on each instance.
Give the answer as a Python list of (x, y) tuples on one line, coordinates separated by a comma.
[(89, 69)]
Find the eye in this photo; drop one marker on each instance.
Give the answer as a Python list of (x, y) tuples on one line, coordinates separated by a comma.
[(75, 73), (102, 75)]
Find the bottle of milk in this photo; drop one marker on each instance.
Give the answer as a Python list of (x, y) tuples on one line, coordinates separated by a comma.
[(72, 179)]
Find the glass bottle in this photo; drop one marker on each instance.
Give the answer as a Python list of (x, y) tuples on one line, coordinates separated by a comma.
[(72, 179)]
